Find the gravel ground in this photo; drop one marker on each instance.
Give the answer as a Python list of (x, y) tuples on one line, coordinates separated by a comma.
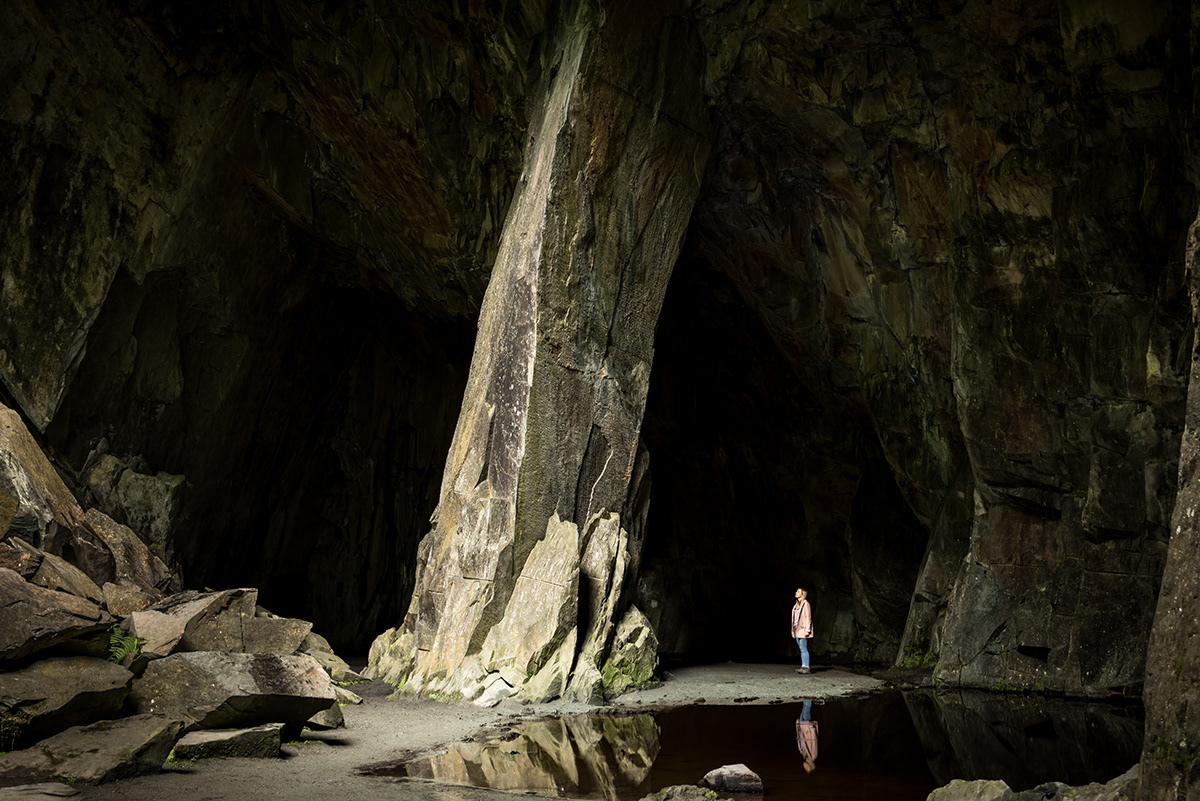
[(323, 766)]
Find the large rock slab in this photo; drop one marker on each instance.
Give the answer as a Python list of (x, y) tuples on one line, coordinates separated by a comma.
[(54, 694), (147, 503), (20, 557), (212, 690), (134, 565), (36, 618), (101, 752), (634, 655), (36, 505), (227, 620), (319, 649), (257, 742), (540, 617), (56, 573)]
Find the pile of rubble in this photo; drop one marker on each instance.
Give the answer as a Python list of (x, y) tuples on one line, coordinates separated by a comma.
[(105, 667)]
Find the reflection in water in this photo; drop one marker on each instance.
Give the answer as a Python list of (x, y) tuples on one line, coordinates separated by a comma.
[(806, 737), (891, 745), (575, 755), (1025, 740)]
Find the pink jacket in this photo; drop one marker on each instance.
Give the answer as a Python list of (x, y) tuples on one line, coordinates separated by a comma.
[(802, 620), (806, 738)]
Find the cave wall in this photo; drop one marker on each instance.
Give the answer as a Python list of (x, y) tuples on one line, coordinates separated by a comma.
[(960, 227), (927, 337), (244, 246)]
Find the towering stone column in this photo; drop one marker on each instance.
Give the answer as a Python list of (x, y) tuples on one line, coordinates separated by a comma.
[(519, 582), (1171, 749)]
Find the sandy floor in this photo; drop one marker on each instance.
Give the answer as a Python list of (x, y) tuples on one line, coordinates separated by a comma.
[(323, 768)]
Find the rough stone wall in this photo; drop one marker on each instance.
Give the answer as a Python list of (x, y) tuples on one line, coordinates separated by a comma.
[(957, 229), (244, 243), (1172, 660)]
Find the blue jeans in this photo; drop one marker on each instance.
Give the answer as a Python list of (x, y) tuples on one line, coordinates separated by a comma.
[(803, 643)]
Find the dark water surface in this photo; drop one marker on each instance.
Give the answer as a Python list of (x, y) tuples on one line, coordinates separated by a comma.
[(888, 745)]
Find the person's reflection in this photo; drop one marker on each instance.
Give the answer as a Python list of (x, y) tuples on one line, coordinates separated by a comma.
[(806, 737)]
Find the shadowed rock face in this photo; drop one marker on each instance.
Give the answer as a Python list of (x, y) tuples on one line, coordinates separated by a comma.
[(922, 349), (920, 245)]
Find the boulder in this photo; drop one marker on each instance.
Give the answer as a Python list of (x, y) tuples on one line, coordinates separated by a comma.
[(54, 694), (319, 649), (331, 718), (392, 657), (123, 601), (683, 792), (985, 790), (259, 742), (159, 631), (148, 503), (733, 779), (101, 752), (634, 654), (194, 621), (36, 505), (212, 690), (20, 557), (273, 635), (36, 618), (215, 621), (345, 697), (134, 565), (56, 573)]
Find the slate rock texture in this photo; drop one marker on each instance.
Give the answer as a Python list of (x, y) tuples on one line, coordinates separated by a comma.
[(548, 435), (57, 693), (1170, 755), (211, 690), (258, 742), (36, 618), (101, 752)]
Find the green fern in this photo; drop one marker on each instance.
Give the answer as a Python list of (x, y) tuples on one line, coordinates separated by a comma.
[(122, 645)]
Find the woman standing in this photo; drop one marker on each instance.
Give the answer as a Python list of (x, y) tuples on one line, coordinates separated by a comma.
[(802, 627)]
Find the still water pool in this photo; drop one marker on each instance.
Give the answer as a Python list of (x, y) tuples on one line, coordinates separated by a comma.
[(889, 745)]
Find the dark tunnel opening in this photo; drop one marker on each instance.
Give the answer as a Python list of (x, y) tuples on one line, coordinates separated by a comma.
[(315, 418), (764, 479)]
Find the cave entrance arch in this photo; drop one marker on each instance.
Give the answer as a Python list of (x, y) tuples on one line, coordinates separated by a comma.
[(766, 476)]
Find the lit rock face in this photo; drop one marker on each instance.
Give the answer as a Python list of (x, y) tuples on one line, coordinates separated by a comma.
[(539, 494)]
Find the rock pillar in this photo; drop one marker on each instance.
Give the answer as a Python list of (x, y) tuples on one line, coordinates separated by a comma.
[(1171, 746), (519, 582)]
